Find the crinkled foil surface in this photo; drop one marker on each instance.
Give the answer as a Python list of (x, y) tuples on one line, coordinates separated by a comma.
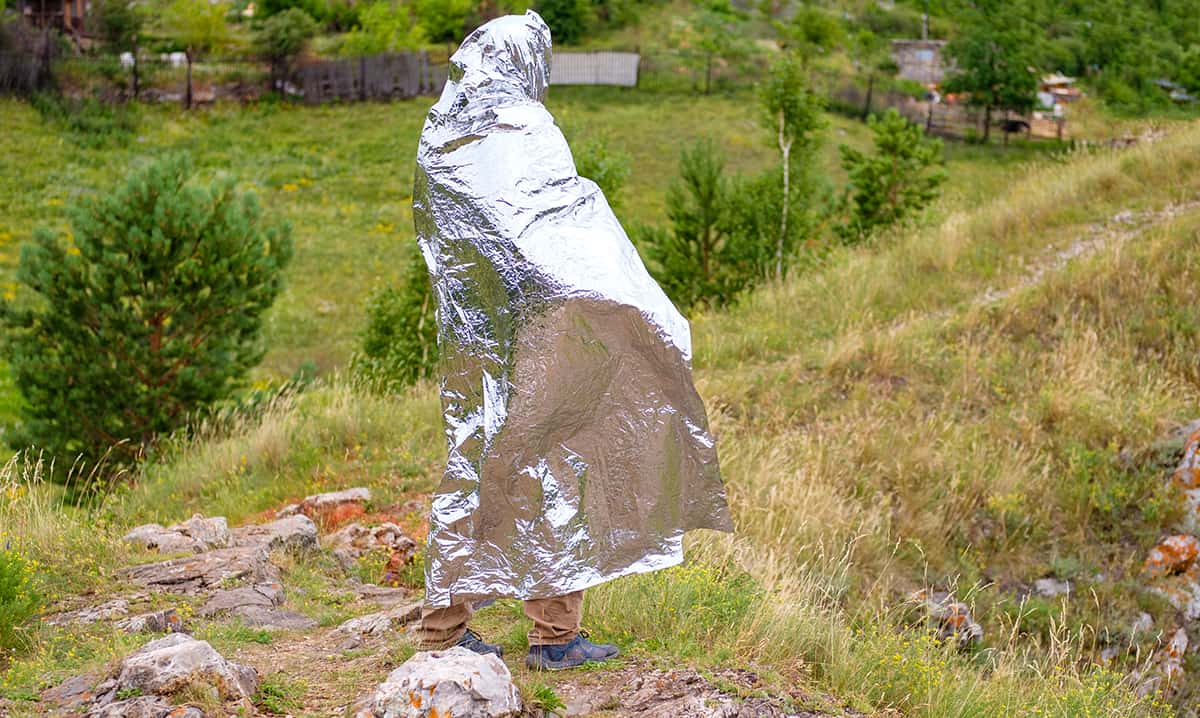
[(579, 450)]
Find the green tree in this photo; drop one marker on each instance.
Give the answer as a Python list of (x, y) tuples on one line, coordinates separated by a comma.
[(197, 26), (384, 27), (993, 54), (697, 261), (444, 20), (901, 178), (569, 20), (714, 33), (149, 310), (280, 39), (118, 25), (872, 57), (399, 345), (792, 112), (811, 31)]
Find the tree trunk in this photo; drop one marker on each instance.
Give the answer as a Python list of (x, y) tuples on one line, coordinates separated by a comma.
[(870, 90), (187, 93), (785, 148), (137, 84), (987, 123)]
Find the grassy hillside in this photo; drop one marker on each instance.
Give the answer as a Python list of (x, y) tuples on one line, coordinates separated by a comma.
[(342, 176), (968, 405)]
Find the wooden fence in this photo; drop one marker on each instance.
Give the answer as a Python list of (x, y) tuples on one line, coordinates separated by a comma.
[(390, 76), (595, 68)]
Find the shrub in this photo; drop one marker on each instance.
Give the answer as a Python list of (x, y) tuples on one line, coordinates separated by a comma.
[(150, 309), (595, 160), (896, 182), (384, 27), (19, 600), (399, 345), (569, 20), (444, 20)]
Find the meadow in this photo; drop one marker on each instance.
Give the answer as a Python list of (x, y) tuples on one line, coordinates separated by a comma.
[(970, 403)]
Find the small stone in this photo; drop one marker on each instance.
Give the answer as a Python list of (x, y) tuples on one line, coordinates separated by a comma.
[(1174, 555), (263, 595), (950, 618), (383, 595), (164, 621), (321, 505), (455, 682), (197, 534), (144, 707), (92, 614), (1051, 587), (168, 665), (350, 643), (1187, 479), (375, 624), (354, 541), (1144, 623), (71, 693), (274, 619), (293, 533), (1167, 669)]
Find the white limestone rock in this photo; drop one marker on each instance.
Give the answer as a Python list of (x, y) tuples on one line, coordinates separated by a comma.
[(455, 682), (168, 665)]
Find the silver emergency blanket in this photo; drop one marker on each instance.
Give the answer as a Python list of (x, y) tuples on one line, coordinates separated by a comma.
[(579, 450)]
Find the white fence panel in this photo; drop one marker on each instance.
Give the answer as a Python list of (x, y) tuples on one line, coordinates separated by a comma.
[(594, 68)]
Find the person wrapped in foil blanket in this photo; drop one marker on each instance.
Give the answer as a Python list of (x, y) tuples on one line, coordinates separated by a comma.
[(579, 450)]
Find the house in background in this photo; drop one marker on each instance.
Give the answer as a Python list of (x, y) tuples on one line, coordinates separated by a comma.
[(920, 61), (69, 16)]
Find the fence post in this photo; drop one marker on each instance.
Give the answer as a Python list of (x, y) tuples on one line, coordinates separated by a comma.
[(637, 71), (362, 78)]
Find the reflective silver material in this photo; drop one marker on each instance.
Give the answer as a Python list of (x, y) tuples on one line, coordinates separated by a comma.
[(579, 450)]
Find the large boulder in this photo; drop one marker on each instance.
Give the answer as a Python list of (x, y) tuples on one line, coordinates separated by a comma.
[(168, 665), (197, 534), (293, 533), (455, 682)]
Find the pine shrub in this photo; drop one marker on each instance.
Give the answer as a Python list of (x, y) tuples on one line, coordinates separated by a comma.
[(148, 310), (399, 345)]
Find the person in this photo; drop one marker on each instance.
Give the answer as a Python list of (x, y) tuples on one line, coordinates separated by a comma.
[(578, 448)]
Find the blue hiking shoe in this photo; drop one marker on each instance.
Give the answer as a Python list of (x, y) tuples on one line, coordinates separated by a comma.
[(570, 655), (472, 641)]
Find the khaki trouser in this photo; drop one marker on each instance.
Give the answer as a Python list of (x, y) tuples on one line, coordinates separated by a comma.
[(555, 621)]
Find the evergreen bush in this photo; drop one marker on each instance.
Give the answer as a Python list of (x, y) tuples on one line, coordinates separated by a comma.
[(399, 344), (149, 309)]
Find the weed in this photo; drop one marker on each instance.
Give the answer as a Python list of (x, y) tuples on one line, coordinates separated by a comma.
[(280, 694), (541, 696)]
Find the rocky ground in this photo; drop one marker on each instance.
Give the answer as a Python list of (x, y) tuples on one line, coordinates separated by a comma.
[(211, 576)]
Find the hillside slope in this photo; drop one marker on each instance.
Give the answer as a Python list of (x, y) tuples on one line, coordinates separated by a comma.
[(966, 406)]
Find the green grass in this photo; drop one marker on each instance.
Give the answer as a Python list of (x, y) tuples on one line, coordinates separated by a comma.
[(880, 429)]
